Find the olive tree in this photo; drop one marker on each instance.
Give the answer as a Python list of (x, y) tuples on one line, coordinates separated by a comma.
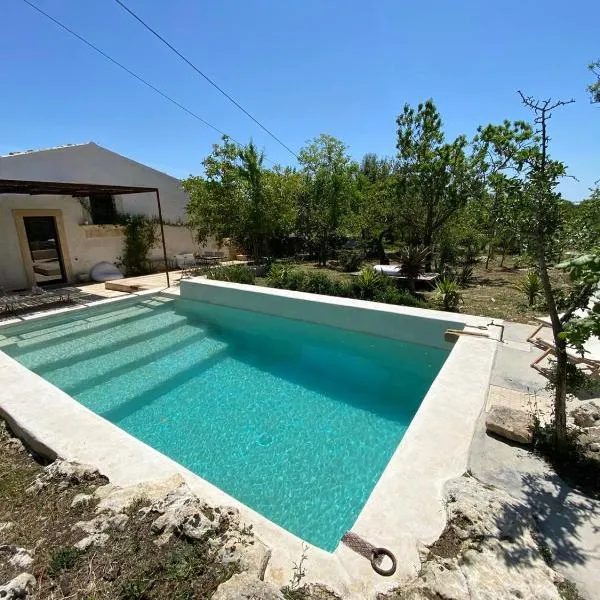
[(329, 188), (238, 199), (436, 178)]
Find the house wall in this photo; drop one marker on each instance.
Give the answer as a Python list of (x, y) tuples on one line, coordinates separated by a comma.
[(86, 245)]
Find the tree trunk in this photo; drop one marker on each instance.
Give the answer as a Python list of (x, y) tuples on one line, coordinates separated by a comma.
[(503, 255), (383, 259), (560, 397), (489, 256), (427, 241)]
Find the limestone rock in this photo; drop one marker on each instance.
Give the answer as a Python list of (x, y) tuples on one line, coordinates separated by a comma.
[(102, 523), (249, 553), (243, 586), (95, 539), (80, 500), (19, 557), (16, 444), (587, 414), (115, 498), (65, 473), (182, 513), (487, 551), (6, 525), (510, 423), (19, 588)]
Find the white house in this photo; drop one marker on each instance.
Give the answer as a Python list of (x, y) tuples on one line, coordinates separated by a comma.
[(58, 238)]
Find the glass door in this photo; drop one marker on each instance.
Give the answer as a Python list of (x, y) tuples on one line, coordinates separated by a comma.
[(44, 246)]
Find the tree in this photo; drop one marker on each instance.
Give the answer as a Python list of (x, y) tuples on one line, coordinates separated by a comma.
[(329, 191), (375, 214), (584, 299), (239, 199), (594, 88), (521, 156), (583, 227), (435, 178)]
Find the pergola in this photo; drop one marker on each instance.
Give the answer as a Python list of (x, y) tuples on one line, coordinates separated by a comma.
[(82, 190)]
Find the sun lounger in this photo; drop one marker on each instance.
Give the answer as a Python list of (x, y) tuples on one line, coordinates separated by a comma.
[(542, 338)]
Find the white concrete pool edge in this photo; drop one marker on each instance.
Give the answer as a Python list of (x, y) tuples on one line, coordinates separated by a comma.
[(405, 507)]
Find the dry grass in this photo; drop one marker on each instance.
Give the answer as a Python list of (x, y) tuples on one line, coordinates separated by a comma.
[(129, 567), (493, 293)]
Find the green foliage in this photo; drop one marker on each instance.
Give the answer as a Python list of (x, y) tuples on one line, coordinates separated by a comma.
[(278, 275), (319, 283), (368, 282), (140, 237), (367, 285), (447, 294), (583, 223), (531, 286), (435, 178), (232, 273), (465, 275), (524, 260), (350, 260), (328, 178), (240, 200), (413, 259), (594, 88), (390, 294), (63, 559), (584, 300)]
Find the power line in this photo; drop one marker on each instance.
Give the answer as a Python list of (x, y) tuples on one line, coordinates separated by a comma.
[(130, 72), (206, 77)]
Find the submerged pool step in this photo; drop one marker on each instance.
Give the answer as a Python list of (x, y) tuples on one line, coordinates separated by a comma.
[(123, 391), (129, 359), (74, 328), (97, 341)]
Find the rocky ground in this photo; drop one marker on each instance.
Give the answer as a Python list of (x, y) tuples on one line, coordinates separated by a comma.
[(66, 532)]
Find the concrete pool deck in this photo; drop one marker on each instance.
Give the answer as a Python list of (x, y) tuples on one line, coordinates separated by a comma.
[(405, 509)]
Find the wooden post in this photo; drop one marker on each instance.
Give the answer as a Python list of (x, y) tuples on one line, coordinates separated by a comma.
[(162, 235)]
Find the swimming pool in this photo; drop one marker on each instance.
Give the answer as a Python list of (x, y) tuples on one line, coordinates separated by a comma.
[(294, 419)]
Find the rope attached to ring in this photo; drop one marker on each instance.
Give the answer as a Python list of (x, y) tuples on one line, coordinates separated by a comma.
[(371, 553)]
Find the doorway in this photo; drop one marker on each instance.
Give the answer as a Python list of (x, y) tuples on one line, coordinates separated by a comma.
[(45, 251)]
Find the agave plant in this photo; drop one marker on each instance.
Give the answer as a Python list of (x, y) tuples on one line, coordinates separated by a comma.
[(368, 281), (447, 293), (413, 260), (531, 286)]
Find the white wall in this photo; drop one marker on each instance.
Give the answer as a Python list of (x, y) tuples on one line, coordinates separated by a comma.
[(87, 244), (90, 163)]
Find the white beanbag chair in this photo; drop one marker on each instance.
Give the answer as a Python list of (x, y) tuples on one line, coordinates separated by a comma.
[(105, 271)]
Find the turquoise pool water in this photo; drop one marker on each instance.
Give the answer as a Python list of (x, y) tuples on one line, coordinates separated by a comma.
[(296, 420)]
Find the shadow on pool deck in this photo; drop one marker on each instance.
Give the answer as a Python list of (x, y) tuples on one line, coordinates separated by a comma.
[(568, 522)]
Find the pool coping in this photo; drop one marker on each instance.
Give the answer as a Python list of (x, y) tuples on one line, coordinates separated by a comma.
[(409, 492)]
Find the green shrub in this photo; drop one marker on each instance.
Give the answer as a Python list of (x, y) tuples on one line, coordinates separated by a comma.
[(278, 276), (465, 275), (368, 282), (524, 260), (140, 237), (319, 283), (350, 260), (232, 273), (531, 286), (447, 294), (392, 295), (63, 559)]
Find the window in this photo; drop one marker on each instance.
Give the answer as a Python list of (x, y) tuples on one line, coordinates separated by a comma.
[(102, 209)]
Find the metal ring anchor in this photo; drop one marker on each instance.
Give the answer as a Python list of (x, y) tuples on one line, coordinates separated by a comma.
[(376, 553)]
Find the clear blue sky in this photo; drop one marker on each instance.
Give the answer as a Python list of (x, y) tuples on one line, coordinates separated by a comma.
[(303, 68)]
